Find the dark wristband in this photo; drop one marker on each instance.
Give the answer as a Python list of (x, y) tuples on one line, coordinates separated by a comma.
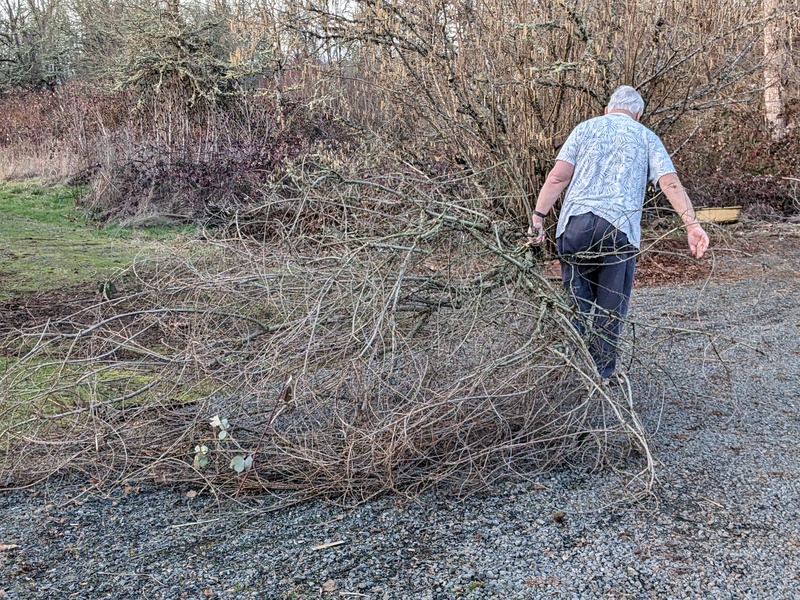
[(538, 214)]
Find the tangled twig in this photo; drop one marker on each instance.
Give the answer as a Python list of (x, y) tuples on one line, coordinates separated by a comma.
[(442, 358)]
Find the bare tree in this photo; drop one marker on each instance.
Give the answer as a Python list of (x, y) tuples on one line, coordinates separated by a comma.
[(36, 43), (776, 65), (497, 85)]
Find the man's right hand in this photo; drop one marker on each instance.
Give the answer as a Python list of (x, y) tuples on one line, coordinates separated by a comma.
[(698, 240), (536, 230)]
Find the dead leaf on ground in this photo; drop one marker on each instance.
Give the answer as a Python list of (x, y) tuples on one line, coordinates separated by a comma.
[(6, 547), (329, 586)]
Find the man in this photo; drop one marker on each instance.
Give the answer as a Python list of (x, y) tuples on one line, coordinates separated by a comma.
[(606, 162)]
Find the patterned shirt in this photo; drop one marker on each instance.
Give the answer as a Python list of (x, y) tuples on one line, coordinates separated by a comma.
[(614, 156)]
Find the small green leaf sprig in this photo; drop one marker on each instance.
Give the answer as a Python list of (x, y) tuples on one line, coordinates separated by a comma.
[(239, 463)]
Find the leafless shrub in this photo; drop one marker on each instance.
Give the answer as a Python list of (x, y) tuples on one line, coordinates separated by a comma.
[(400, 346), (490, 82), (232, 159), (488, 87)]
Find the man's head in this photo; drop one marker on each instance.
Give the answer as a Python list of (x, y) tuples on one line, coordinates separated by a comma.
[(628, 99)]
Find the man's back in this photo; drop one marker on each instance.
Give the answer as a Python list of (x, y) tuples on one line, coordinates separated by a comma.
[(613, 156)]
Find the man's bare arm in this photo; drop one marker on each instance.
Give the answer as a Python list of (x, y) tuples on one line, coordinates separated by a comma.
[(680, 202), (557, 181)]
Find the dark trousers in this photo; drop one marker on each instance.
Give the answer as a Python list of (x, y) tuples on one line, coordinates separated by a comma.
[(597, 264)]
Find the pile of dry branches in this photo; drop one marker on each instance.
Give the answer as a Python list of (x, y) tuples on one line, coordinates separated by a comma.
[(409, 341)]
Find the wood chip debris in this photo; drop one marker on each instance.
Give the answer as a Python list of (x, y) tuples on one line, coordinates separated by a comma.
[(328, 545), (710, 501)]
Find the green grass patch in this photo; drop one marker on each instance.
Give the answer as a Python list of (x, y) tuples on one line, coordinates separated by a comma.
[(47, 243), (51, 388)]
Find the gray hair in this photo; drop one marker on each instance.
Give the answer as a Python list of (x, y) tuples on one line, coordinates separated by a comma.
[(626, 98)]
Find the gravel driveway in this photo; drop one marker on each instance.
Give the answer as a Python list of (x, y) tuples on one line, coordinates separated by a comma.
[(723, 522)]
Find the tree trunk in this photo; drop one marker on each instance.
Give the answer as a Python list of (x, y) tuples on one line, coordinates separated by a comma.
[(776, 58), (173, 10)]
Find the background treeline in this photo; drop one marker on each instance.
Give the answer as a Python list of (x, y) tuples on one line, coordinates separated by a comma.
[(183, 110)]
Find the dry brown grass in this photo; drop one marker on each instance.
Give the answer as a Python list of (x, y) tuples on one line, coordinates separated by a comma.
[(33, 163)]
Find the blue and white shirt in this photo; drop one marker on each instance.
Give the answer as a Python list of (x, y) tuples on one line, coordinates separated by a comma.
[(614, 156)]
